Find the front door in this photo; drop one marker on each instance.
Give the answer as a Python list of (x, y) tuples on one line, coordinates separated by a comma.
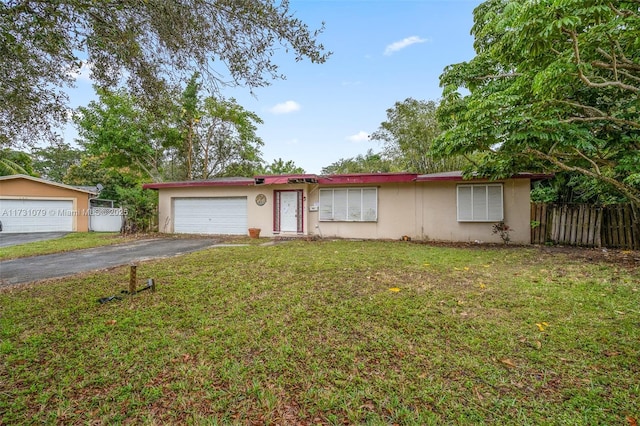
[(288, 211)]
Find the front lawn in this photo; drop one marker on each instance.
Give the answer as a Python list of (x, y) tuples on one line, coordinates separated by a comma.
[(86, 240), (330, 333), (72, 241)]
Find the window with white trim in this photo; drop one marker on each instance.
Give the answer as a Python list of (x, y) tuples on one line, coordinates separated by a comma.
[(480, 203), (348, 205)]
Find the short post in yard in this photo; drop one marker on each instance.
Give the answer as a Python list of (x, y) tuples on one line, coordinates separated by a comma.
[(132, 279)]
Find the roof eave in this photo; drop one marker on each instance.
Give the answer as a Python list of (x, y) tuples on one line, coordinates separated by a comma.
[(458, 178), (47, 182)]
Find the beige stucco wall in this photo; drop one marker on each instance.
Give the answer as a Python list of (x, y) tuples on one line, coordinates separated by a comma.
[(422, 211), (396, 215), (28, 189), (438, 219)]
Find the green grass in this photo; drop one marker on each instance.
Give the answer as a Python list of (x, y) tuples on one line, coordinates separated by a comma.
[(72, 241), (85, 240), (310, 332)]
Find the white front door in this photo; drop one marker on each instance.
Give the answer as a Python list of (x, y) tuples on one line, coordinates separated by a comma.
[(289, 211)]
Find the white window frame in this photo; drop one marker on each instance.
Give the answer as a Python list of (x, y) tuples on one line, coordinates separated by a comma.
[(475, 209), (328, 209)]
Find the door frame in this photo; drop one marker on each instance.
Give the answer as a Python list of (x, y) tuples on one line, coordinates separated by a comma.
[(299, 210)]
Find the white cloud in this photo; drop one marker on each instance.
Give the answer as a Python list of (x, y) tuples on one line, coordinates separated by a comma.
[(84, 73), (285, 107), (361, 136), (406, 42)]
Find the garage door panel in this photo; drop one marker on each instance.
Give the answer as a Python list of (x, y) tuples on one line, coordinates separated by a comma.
[(30, 215), (218, 215)]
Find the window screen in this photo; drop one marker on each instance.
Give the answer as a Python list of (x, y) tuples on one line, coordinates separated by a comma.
[(480, 203), (349, 204)]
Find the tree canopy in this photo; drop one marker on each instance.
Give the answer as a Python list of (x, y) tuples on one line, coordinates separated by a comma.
[(15, 162), (54, 161), (151, 46), (281, 167), (554, 86), (408, 134), (368, 163), (197, 138), (118, 130)]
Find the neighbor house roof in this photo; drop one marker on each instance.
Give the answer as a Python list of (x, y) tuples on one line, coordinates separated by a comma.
[(47, 182)]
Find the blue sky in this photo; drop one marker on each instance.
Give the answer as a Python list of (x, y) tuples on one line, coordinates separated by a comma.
[(383, 52)]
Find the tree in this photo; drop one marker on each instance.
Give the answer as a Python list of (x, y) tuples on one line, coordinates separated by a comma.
[(119, 130), (15, 162), (554, 86), (368, 163), (195, 138), (53, 162), (408, 134), (123, 185), (90, 171), (227, 143), (189, 116), (281, 167), (149, 45)]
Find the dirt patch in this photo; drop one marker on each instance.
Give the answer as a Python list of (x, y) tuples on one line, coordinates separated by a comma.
[(625, 258)]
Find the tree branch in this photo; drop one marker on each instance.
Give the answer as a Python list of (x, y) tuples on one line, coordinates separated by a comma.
[(629, 192), (596, 115), (622, 13), (593, 163), (618, 68), (584, 78), (623, 58), (503, 75), (607, 118)]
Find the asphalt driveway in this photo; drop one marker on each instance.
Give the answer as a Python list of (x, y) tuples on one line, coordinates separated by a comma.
[(57, 265), (7, 240)]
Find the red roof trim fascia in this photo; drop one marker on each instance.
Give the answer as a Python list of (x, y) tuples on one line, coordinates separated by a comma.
[(532, 176), (302, 176), (346, 179), (367, 178)]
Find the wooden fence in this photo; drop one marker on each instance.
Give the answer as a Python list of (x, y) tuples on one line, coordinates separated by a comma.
[(615, 226)]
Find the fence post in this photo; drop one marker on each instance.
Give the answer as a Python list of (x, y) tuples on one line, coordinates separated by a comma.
[(132, 279), (635, 228)]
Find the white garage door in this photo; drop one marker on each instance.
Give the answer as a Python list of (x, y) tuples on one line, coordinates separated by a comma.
[(224, 216), (36, 215)]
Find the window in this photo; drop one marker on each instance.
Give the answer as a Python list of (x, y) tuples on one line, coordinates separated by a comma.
[(480, 203), (349, 204)]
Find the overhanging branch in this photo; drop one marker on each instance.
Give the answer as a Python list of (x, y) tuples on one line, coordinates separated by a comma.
[(584, 78), (596, 114), (629, 192)]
